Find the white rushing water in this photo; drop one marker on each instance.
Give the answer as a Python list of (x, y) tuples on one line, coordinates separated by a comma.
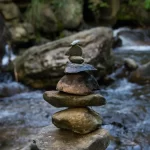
[(133, 39), (9, 55), (134, 48)]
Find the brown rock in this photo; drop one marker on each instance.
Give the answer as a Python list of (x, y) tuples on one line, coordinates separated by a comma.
[(78, 120), (61, 99), (79, 84), (76, 59), (51, 138), (141, 75)]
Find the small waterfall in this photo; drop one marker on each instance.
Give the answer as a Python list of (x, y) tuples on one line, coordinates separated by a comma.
[(9, 55), (133, 39)]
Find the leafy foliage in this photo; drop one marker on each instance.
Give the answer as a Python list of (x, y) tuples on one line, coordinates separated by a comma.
[(147, 4), (95, 5)]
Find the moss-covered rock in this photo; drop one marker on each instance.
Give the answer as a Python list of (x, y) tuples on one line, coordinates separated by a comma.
[(68, 12)]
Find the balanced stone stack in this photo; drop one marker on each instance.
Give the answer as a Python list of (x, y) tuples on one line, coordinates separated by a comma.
[(76, 90)]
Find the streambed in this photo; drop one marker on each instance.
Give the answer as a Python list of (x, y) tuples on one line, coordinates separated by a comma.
[(23, 112)]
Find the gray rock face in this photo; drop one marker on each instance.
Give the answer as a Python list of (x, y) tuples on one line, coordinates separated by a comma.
[(78, 84), (60, 99), (51, 138), (39, 64), (78, 120)]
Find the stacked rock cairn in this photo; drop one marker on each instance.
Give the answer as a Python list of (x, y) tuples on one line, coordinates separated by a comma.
[(77, 90)]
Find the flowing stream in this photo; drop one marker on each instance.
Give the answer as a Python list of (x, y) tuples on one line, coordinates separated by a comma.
[(23, 112)]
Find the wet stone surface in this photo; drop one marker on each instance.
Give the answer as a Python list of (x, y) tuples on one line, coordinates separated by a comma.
[(126, 115), (78, 120), (76, 59), (78, 84), (61, 99), (76, 68)]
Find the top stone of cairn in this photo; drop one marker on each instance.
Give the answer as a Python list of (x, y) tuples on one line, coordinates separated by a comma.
[(75, 53), (75, 49), (76, 60)]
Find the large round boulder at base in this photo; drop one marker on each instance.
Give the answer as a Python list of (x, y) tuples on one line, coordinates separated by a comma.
[(51, 138), (78, 120), (42, 66)]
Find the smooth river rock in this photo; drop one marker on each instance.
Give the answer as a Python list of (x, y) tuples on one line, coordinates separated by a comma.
[(78, 120), (130, 64), (61, 99), (76, 59), (51, 138), (78, 84), (75, 50)]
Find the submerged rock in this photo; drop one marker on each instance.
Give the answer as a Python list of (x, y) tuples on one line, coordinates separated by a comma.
[(42, 66), (78, 120), (61, 99), (79, 84), (51, 138)]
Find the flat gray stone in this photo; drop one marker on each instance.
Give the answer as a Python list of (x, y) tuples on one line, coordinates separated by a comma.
[(76, 68), (51, 138), (61, 99)]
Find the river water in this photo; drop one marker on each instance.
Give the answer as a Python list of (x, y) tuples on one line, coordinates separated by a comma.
[(23, 112)]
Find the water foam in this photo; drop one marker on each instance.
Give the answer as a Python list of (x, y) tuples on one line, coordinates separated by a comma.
[(9, 55)]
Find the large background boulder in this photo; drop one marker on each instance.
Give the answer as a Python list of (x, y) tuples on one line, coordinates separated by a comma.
[(69, 13), (42, 66)]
